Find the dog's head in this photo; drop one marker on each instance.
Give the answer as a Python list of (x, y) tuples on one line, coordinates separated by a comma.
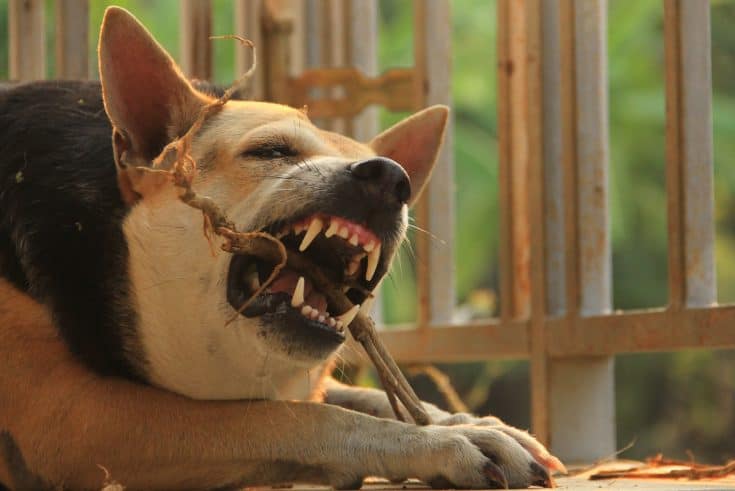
[(341, 203)]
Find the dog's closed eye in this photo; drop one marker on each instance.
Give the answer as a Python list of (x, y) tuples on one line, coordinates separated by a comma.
[(270, 149)]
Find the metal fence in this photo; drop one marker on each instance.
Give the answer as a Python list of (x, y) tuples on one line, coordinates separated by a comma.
[(556, 306)]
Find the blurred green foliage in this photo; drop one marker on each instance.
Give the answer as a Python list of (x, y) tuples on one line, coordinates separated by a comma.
[(668, 402)]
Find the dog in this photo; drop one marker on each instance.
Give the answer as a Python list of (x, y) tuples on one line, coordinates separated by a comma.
[(115, 345)]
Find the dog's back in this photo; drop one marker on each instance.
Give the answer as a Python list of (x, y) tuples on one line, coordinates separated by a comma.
[(60, 212)]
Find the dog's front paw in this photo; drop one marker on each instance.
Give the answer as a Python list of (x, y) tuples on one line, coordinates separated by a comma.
[(527, 441), (471, 456)]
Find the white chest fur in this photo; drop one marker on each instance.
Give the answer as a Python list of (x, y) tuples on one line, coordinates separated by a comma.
[(179, 291)]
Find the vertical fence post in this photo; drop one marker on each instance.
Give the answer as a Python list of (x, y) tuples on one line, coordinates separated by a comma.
[(582, 414), (362, 53), (538, 216), (195, 30), (248, 24), (435, 212), (27, 33), (689, 155), (515, 248), (72, 31)]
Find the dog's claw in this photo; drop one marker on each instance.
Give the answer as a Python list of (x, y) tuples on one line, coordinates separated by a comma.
[(541, 477), (495, 475)]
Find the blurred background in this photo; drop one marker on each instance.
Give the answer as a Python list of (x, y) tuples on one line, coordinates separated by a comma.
[(671, 403)]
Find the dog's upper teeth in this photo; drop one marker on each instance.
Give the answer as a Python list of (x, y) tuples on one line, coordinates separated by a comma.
[(354, 240), (315, 227), (369, 246), (349, 316), (298, 293), (344, 232), (332, 229), (306, 310), (372, 262), (331, 322), (314, 315)]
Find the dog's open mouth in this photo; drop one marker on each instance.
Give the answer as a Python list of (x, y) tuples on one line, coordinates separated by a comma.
[(347, 253)]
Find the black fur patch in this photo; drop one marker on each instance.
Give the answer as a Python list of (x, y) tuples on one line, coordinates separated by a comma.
[(60, 218)]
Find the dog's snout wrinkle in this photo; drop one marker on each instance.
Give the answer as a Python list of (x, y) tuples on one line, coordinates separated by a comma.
[(382, 178)]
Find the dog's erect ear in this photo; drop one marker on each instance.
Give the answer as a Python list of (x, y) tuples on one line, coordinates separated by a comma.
[(414, 143), (146, 97)]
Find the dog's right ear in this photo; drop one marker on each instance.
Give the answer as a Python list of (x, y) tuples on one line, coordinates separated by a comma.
[(147, 99)]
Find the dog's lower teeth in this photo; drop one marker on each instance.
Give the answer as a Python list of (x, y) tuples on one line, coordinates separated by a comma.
[(331, 322)]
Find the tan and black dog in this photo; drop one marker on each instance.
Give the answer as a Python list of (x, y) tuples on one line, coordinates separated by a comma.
[(114, 346)]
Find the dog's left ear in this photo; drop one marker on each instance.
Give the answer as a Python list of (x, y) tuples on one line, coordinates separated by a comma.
[(147, 99), (414, 143)]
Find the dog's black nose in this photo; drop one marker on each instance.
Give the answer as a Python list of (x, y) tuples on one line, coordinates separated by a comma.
[(383, 178)]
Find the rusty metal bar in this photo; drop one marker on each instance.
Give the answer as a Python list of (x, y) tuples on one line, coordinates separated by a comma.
[(689, 154), (536, 202), (515, 251), (27, 40), (248, 16), (362, 49), (568, 101), (654, 330), (72, 32), (435, 211), (583, 389), (195, 28)]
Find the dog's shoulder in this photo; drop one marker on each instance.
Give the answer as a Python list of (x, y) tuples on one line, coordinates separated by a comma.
[(60, 215)]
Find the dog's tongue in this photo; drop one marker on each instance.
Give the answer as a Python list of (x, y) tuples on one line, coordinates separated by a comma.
[(286, 282)]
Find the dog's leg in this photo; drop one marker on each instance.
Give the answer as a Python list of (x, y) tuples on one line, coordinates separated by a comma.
[(71, 426), (375, 402)]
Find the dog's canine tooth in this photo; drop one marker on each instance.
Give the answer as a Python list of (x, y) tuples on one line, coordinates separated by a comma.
[(332, 229), (354, 240), (372, 262), (349, 316), (369, 246), (315, 227), (298, 293), (306, 310), (344, 233)]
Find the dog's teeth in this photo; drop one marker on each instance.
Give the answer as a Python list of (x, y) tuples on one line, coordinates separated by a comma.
[(306, 310), (331, 322), (352, 267), (344, 232), (332, 229), (349, 316), (369, 246), (298, 293), (354, 240), (372, 262), (314, 314), (322, 318), (314, 228)]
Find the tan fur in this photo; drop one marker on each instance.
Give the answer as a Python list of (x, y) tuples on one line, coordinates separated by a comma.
[(69, 423)]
